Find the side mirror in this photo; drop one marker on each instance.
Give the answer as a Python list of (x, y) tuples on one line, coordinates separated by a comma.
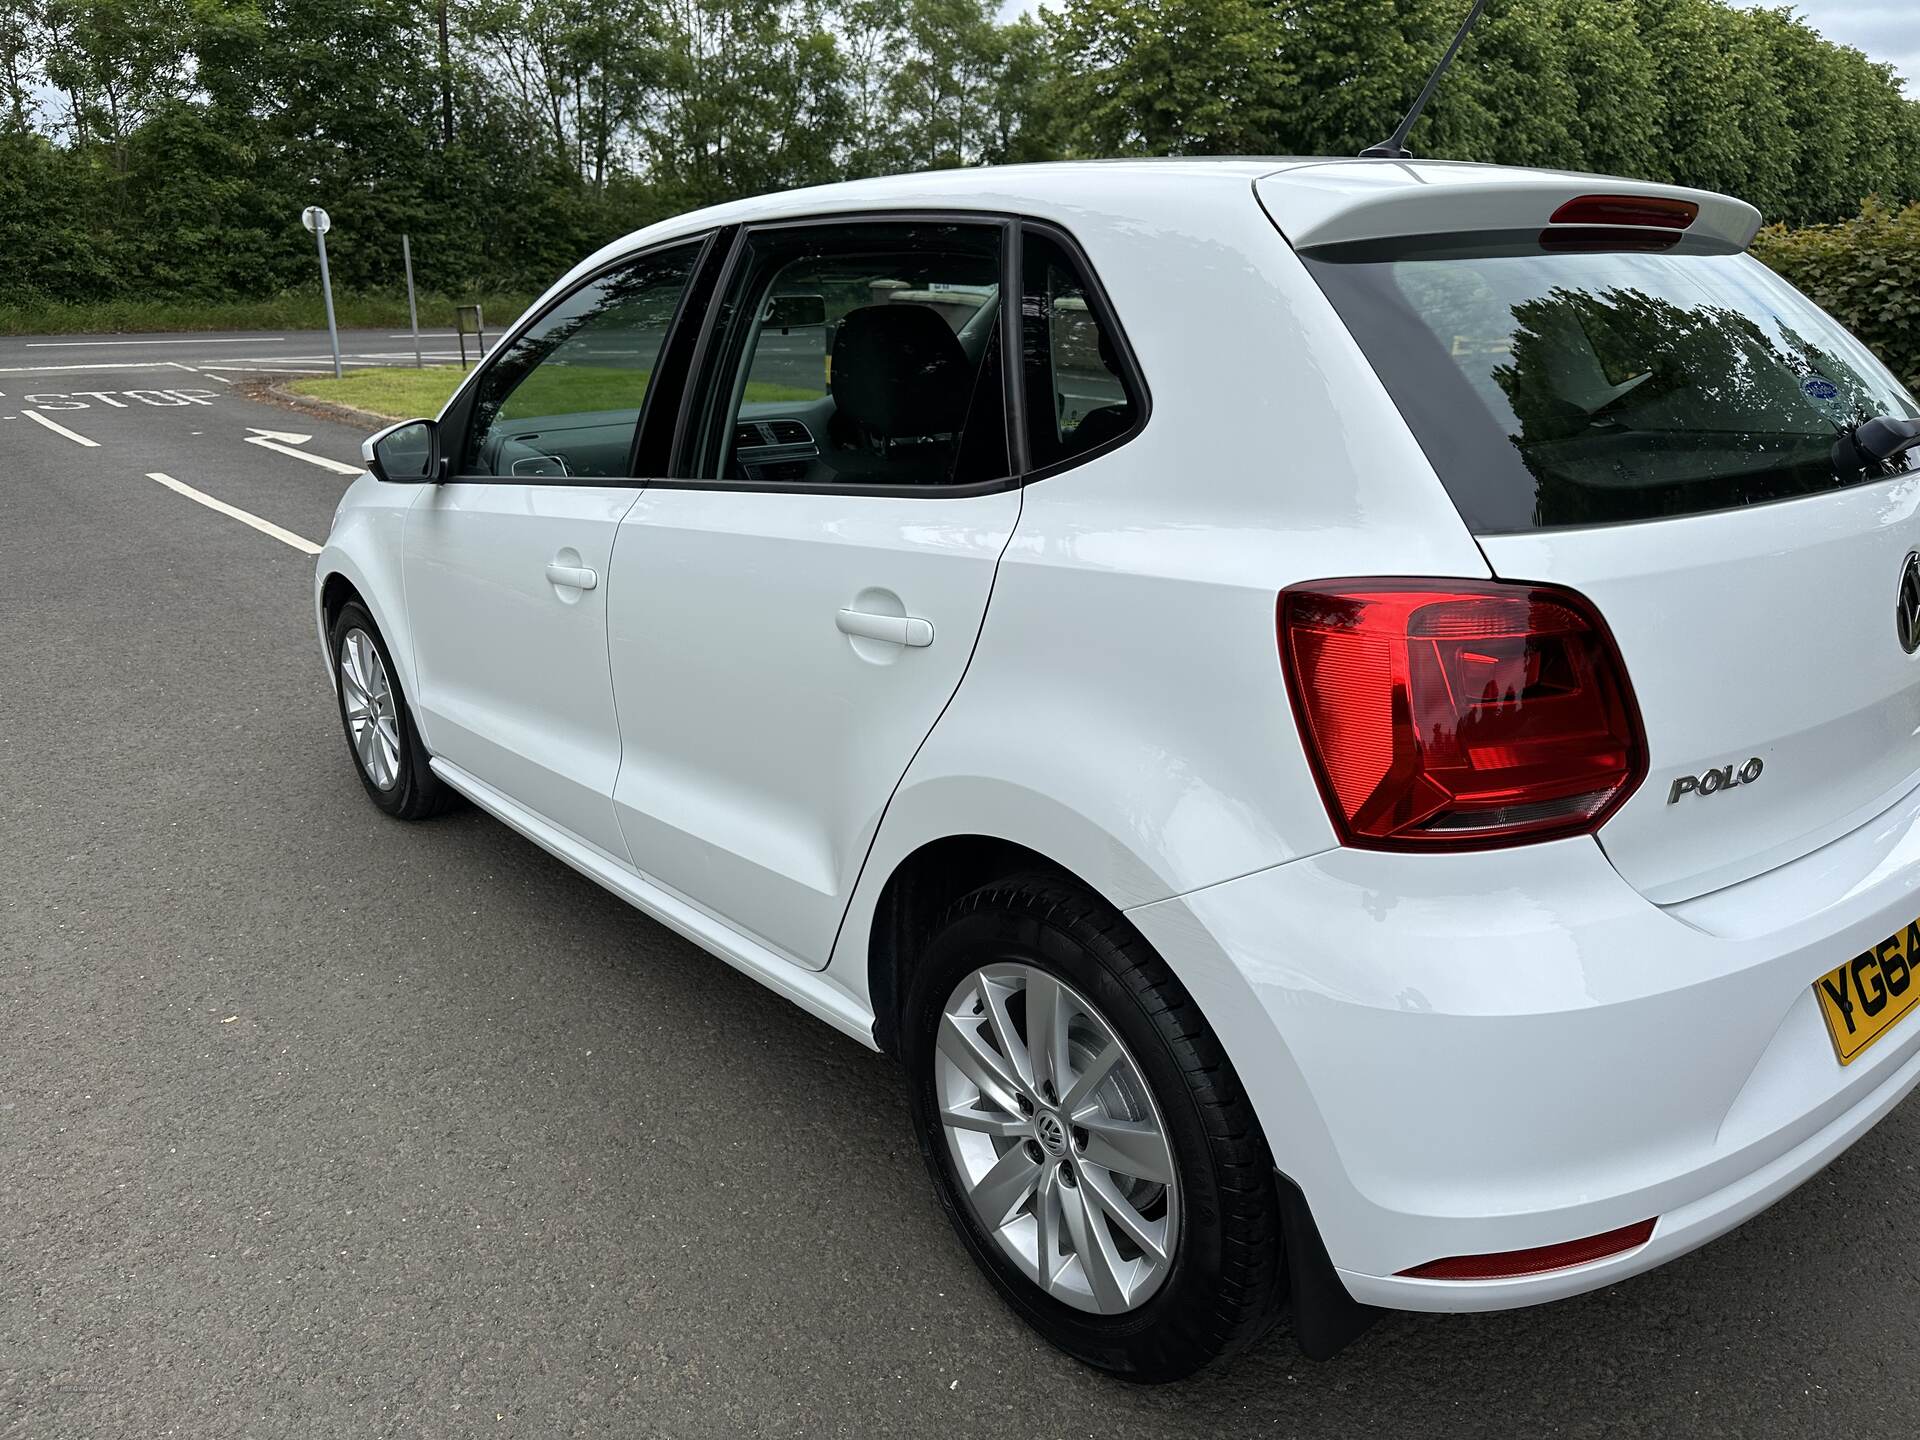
[(404, 454)]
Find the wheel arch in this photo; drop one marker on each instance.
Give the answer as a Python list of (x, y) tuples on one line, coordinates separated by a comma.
[(917, 891), (339, 580)]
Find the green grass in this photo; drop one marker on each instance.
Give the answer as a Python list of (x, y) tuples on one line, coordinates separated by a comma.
[(401, 393), (280, 312), (398, 393)]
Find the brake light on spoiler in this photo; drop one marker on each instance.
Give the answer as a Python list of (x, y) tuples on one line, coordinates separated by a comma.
[(1655, 210), (1459, 714), (1618, 222)]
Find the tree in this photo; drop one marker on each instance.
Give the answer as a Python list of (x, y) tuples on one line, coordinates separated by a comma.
[(1170, 77)]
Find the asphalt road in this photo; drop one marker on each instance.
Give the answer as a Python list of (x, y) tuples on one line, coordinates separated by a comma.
[(316, 1123), (103, 359)]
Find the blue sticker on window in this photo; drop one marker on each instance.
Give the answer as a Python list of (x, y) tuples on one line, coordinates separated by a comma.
[(1818, 387)]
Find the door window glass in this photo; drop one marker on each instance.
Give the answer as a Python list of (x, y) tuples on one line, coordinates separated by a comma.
[(865, 354), (562, 399), (1076, 397)]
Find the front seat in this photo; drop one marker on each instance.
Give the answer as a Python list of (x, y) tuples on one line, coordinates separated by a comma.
[(901, 388)]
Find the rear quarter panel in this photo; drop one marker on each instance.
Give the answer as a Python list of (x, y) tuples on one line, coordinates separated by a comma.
[(1124, 712)]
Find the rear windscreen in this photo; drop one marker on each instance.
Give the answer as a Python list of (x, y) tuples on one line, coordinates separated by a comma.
[(1562, 389)]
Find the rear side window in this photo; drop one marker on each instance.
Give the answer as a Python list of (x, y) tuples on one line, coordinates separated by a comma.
[(1564, 389), (1076, 397)]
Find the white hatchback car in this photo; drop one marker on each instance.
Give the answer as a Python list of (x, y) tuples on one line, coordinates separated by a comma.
[(1354, 724)]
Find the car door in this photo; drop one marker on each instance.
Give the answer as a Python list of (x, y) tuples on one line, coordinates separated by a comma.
[(507, 561), (785, 630)]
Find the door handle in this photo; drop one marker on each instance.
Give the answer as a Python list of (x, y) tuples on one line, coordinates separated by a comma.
[(897, 629), (574, 577)]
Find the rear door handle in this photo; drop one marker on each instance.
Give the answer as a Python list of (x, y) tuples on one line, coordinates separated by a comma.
[(574, 577), (896, 629)]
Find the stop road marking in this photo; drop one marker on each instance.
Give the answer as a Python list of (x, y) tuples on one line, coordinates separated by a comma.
[(84, 399)]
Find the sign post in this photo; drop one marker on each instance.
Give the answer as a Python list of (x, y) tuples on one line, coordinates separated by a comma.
[(316, 220), (467, 320), (413, 312)]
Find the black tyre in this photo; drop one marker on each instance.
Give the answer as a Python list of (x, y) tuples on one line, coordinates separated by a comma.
[(381, 738), (1087, 1136)]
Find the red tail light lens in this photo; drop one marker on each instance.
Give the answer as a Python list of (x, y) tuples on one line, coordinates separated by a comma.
[(1459, 714)]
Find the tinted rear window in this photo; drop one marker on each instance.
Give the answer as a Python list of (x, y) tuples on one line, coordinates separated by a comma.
[(1564, 389)]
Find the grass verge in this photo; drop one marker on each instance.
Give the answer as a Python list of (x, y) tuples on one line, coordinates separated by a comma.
[(401, 393), (280, 312)]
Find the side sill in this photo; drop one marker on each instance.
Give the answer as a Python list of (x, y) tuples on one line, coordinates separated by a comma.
[(809, 989)]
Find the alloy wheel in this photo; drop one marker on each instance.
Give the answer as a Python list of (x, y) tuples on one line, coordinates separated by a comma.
[(371, 708), (1059, 1148)]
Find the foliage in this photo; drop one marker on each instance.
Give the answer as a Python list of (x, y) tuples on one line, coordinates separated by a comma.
[(161, 150), (1866, 272), (1748, 101)]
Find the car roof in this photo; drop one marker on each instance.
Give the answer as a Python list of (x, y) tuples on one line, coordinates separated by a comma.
[(1313, 199), (1138, 184)]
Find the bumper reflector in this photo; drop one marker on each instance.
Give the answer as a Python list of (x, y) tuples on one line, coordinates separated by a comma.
[(1537, 1261)]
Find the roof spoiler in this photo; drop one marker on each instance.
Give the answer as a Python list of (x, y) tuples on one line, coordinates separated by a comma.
[(1335, 202)]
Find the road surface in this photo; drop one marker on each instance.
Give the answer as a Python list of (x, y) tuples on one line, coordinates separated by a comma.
[(313, 1123)]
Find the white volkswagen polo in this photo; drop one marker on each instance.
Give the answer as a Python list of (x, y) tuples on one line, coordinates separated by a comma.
[(1355, 725)]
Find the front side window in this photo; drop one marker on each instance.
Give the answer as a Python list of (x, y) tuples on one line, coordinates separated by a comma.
[(1077, 400), (562, 399), (863, 354)]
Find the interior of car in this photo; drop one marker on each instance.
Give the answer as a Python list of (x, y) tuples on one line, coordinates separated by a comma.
[(897, 382)]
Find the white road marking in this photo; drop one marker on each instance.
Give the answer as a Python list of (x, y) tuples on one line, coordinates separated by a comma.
[(70, 369), (163, 399), (271, 370), (221, 378), (59, 429), (82, 344), (322, 461), (289, 436), (178, 366), (265, 527)]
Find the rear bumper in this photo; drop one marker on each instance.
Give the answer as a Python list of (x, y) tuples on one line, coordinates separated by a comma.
[(1473, 1054)]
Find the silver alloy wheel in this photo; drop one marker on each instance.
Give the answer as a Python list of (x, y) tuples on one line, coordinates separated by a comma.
[(1059, 1147), (373, 719)]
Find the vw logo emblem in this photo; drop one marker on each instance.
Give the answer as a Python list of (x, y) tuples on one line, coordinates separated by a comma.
[(1052, 1133), (1906, 609)]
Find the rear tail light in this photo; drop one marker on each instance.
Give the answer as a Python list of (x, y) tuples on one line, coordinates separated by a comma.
[(1540, 1260), (1457, 714)]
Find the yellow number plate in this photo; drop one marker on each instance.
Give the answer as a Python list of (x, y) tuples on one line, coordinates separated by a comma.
[(1867, 996)]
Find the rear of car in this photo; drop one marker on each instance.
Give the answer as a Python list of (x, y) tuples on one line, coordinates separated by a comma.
[(1615, 947)]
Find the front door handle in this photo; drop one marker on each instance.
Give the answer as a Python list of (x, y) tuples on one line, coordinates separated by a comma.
[(896, 629), (574, 577)]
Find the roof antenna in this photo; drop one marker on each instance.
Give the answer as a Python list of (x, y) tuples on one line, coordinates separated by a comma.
[(1395, 147)]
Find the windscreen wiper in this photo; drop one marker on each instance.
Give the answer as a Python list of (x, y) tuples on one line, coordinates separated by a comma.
[(1874, 443)]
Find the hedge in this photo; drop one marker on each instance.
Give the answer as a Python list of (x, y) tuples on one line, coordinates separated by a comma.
[(1864, 271)]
